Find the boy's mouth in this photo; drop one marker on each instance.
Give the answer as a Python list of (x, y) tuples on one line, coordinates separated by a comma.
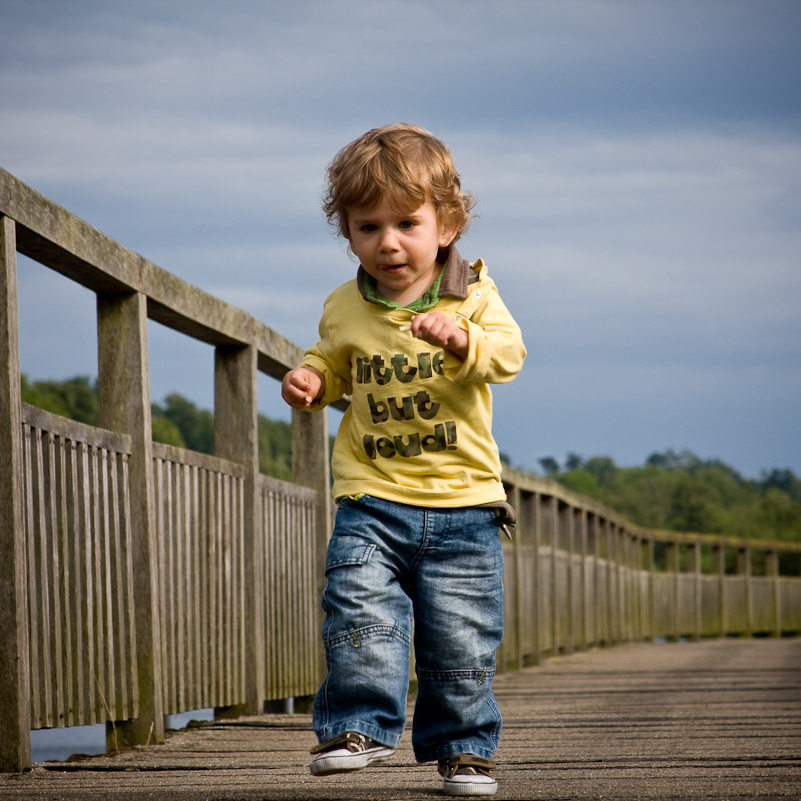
[(392, 269)]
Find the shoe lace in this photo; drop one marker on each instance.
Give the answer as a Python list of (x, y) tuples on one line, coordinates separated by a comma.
[(465, 764), (351, 740)]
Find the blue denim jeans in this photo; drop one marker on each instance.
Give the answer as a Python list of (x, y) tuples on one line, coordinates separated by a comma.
[(388, 564)]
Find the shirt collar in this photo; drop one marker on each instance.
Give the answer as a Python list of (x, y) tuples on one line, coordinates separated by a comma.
[(452, 282)]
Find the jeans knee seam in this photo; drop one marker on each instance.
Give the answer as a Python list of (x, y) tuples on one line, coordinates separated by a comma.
[(357, 635)]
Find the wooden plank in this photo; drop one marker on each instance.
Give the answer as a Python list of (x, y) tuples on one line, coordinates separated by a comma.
[(75, 582), (56, 585), (41, 557), (160, 511), (168, 609), (203, 461), (15, 688), (119, 708), (67, 647), (703, 720), (110, 669), (89, 605), (124, 393), (310, 468), (128, 597), (236, 439), (33, 625), (180, 581), (98, 675), (195, 602), (73, 430), (206, 595)]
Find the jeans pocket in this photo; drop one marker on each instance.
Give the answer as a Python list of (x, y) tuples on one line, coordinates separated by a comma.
[(344, 550)]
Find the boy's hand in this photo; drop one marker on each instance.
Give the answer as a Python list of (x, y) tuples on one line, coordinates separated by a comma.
[(301, 386), (438, 329)]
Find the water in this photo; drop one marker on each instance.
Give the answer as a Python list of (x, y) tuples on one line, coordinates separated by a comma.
[(60, 744)]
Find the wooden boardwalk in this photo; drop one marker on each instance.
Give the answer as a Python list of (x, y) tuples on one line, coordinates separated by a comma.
[(718, 719)]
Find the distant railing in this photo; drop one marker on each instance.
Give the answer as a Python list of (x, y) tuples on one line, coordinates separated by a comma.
[(139, 580), (579, 575)]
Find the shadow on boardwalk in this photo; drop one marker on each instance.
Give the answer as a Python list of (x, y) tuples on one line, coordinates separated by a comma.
[(717, 719)]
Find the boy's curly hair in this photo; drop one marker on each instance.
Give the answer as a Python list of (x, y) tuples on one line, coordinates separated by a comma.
[(401, 162)]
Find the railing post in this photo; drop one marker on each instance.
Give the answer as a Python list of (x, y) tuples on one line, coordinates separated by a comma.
[(624, 571), (15, 691), (772, 558), (553, 509), (310, 468), (534, 525), (236, 439), (744, 569), (719, 556), (674, 568), (566, 532), (696, 568), (616, 607), (520, 578), (650, 567), (634, 560), (626, 598), (124, 390), (606, 527), (583, 637), (595, 596)]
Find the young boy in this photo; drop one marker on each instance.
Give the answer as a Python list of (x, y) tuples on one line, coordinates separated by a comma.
[(415, 339)]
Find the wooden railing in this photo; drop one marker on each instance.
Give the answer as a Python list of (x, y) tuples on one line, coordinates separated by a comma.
[(78, 555), (138, 579), (579, 575)]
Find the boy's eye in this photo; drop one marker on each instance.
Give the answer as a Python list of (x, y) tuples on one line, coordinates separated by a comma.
[(368, 228), (406, 224)]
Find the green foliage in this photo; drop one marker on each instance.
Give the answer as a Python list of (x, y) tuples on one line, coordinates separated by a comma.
[(550, 466), (681, 492), (167, 432), (177, 421), (196, 426), (275, 448), (75, 398), (581, 481)]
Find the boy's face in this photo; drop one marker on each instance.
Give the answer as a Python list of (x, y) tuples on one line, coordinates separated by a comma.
[(399, 248)]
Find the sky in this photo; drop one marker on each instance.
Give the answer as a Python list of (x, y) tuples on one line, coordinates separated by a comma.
[(636, 166)]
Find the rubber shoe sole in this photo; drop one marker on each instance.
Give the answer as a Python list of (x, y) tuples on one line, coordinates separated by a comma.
[(470, 786), (341, 760)]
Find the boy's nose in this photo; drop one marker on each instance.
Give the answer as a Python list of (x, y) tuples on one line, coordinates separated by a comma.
[(388, 241)]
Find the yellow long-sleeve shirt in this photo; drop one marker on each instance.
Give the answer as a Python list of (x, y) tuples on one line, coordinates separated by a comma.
[(418, 430)]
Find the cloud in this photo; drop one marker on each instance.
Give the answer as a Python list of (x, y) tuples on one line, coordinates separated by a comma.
[(637, 168)]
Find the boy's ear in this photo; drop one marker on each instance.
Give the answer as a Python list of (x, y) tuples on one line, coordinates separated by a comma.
[(447, 233)]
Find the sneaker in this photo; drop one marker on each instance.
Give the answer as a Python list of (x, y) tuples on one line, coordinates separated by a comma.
[(467, 775), (349, 751)]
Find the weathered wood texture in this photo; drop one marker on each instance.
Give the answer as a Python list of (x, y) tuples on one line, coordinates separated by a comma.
[(201, 557), (139, 580), (718, 719), (15, 743), (291, 632), (78, 537), (578, 574)]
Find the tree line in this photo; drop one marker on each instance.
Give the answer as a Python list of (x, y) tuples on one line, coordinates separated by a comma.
[(177, 421), (682, 492), (673, 491)]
